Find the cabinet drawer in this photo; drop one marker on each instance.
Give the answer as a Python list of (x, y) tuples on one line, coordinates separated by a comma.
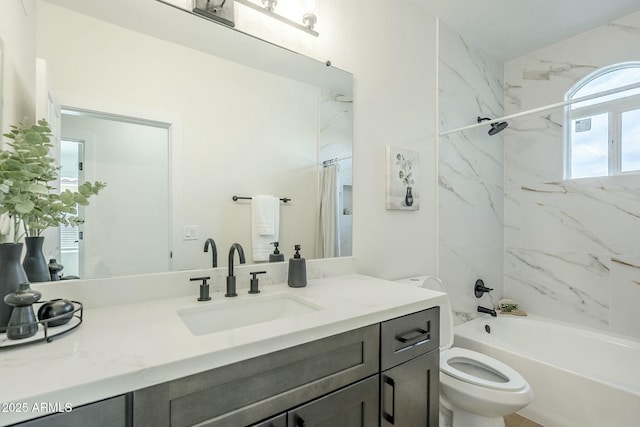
[(254, 389), (406, 337), (112, 412)]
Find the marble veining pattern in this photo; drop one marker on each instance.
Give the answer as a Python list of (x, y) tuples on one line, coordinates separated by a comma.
[(470, 174), (546, 69), (561, 286), (625, 285), (571, 246)]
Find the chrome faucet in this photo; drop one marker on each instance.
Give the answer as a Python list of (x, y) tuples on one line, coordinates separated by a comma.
[(214, 250), (231, 279)]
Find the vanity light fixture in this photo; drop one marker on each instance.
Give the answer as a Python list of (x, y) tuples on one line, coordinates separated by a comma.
[(217, 10), (270, 5), (308, 19)]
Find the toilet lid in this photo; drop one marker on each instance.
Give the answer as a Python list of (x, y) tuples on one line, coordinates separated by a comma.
[(479, 369)]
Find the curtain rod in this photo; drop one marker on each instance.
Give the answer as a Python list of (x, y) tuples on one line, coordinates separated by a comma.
[(546, 107), (335, 160)]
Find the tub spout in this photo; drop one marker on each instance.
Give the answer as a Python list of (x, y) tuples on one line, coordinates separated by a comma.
[(487, 310)]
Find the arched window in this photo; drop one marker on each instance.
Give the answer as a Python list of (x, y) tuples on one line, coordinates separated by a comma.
[(602, 135)]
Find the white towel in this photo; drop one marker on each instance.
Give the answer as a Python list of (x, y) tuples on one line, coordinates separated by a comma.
[(265, 225)]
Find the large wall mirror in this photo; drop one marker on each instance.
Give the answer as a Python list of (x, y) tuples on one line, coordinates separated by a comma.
[(240, 120), (1, 84)]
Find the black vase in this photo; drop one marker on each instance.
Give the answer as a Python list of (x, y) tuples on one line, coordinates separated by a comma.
[(34, 263), (11, 275), (408, 198)]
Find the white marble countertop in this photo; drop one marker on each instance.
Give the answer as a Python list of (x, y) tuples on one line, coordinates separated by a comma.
[(122, 348)]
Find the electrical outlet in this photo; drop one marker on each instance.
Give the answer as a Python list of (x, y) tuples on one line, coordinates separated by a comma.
[(190, 232)]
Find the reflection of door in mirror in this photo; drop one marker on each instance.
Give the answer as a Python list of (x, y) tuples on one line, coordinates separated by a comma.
[(126, 227), (71, 176)]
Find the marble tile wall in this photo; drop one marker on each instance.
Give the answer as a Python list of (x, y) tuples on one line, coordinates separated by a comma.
[(572, 248), (470, 174)]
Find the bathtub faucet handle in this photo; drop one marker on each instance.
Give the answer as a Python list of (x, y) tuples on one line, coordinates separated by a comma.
[(479, 289)]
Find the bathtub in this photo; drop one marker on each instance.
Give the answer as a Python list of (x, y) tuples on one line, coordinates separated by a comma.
[(580, 377)]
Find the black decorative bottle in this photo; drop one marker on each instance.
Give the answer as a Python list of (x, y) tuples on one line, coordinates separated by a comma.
[(23, 322), (11, 275)]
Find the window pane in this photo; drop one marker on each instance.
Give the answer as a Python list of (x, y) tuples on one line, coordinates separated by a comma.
[(589, 146), (630, 141), (613, 79)]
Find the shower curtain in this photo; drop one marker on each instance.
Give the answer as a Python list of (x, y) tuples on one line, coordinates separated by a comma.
[(328, 230)]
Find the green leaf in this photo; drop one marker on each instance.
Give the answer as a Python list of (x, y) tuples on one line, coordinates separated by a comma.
[(38, 188), (33, 137), (24, 207)]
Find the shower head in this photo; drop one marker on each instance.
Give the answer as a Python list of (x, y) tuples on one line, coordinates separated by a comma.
[(495, 127)]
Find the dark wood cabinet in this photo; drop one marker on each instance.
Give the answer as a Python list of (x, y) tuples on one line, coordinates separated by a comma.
[(252, 390), (353, 406), (277, 421), (113, 412), (410, 360), (385, 374), (409, 393)]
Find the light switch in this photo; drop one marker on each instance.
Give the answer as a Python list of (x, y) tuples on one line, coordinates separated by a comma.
[(190, 232)]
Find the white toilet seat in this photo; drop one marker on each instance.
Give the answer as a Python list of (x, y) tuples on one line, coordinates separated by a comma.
[(507, 379)]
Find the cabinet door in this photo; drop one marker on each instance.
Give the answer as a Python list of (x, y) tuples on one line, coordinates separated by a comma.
[(409, 393), (279, 421), (112, 412), (353, 406)]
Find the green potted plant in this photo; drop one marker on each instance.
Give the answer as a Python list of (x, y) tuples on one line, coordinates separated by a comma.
[(26, 173)]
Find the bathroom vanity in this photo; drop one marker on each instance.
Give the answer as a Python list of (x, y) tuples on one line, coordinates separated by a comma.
[(367, 351)]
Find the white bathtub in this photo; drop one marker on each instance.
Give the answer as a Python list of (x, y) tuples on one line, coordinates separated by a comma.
[(580, 377)]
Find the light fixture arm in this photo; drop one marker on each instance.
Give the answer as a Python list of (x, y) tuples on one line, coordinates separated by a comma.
[(309, 23)]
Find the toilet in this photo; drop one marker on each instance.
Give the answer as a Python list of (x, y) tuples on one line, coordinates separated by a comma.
[(476, 390)]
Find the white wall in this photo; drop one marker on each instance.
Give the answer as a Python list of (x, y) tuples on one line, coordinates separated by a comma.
[(17, 31), (231, 119), (470, 174), (571, 246), (393, 60)]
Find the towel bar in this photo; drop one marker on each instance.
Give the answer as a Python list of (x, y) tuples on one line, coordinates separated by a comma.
[(236, 198)]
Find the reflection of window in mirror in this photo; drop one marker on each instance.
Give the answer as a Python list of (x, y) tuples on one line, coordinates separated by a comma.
[(603, 134)]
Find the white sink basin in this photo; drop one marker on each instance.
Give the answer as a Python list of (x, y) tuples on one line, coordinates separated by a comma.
[(237, 313)]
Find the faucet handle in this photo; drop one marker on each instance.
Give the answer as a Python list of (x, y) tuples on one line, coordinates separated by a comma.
[(479, 289), (253, 288), (204, 287)]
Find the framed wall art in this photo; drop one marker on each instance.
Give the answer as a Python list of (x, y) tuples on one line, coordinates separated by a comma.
[(403, 167)]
